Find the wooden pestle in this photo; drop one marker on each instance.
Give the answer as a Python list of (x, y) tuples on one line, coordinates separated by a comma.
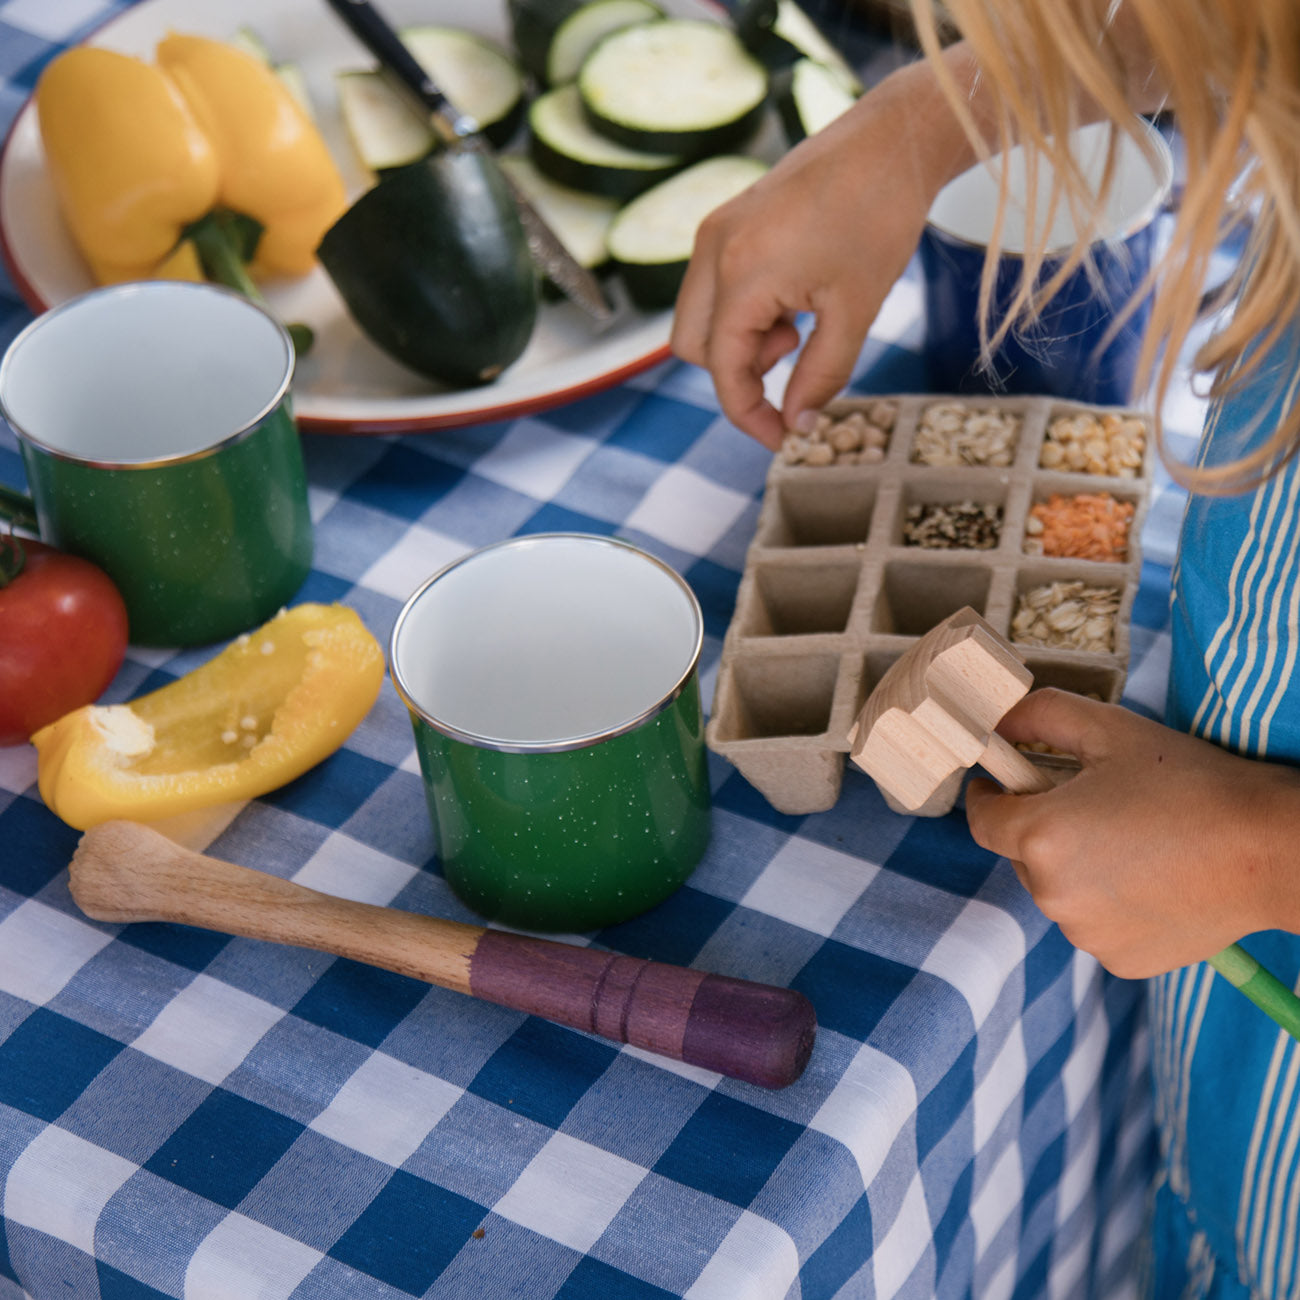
[(760, 1033)]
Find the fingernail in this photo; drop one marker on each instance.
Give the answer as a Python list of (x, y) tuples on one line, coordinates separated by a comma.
[(805, 421)]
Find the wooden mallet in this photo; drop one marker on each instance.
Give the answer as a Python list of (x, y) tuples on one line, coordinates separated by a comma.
[(760, 1033), (933, 715)]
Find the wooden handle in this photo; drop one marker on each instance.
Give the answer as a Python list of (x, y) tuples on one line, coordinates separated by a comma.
[(1011, 769), (763, 1034)]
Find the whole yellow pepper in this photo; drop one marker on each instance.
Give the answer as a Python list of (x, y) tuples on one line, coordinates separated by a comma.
[(129, 164), (274, 165), (137, 152), (271, 705)]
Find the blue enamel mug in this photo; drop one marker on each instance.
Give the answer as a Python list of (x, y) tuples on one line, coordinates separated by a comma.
[(1066, 352)]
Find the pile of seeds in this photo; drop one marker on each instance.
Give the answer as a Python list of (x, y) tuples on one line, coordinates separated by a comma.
[(858, 437), (1067, 616), (961, 525), (1088, 526), (1110, 444), (952, 433)]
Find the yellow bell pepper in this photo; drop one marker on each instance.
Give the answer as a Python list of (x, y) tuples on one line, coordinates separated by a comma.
[(271, 705), (274, 164), (139, 152), (128, 162)]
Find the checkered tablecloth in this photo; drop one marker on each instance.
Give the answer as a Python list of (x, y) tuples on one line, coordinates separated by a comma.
[(184, 1114)]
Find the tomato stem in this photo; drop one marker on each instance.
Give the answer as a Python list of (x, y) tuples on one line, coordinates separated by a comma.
[(17, 507), (13, 556)]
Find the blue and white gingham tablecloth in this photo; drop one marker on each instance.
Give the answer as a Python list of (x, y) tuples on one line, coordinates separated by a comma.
[(184, 1114)]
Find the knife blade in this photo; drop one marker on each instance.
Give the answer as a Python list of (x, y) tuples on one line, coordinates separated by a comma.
[(458, 130)]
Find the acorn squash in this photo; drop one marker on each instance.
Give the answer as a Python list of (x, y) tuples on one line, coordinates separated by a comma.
[(434, 267)]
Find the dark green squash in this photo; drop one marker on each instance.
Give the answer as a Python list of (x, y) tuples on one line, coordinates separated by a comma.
[(434, 267)]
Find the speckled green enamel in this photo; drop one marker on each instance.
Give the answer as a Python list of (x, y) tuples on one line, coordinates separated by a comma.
[(202, 549), (574, 840)]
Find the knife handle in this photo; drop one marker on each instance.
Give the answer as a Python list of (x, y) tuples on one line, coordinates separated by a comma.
[(374, 31)]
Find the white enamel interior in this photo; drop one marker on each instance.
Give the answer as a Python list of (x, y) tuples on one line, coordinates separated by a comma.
[(144, 372), (546, 639), (966, 207)]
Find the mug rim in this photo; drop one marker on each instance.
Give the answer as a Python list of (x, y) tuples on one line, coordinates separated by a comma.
[(1140, 220), (132, 288), (569, 743)]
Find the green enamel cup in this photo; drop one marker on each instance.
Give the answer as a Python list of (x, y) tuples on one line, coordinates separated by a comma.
[(155, 427), (553, 690)]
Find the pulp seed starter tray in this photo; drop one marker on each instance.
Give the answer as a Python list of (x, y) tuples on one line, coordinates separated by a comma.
[(896, 512)]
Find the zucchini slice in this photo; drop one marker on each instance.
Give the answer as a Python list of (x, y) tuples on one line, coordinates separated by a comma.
[(568, 150), (809, 96), (580, 220), (651, 239), (475, 73), (434, 267), (554, 36), (677, 85), (383, 128), (779, 33)]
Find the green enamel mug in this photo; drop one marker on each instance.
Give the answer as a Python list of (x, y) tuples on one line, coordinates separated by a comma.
[(155, 426), (553, 690)]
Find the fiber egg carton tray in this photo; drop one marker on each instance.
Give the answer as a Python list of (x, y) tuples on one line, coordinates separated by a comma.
[(832, 595)]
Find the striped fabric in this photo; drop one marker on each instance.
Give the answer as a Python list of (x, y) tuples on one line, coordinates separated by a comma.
[(1228, 1081)]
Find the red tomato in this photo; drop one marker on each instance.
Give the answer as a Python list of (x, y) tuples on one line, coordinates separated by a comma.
[(63, 635)]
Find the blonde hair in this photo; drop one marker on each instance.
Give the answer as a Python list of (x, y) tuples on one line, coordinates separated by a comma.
[(1230, 73)]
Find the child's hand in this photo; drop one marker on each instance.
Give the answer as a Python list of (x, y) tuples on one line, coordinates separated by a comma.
[(1162, 851), (827, 231)]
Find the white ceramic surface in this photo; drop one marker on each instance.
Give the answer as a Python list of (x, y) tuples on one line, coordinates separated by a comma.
[(138, 373), (967, 206), (546, 639)]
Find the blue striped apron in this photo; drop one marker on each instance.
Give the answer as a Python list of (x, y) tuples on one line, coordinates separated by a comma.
[(1227, 1204)]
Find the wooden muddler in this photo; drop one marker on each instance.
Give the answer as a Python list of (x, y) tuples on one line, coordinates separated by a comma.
[(760, 1033)]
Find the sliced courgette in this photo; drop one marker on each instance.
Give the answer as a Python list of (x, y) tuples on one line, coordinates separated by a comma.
[(383, 128), (809, 96), (553, 37), (434, 267), (651, 239), (678, 85), (568, 150), (779, 32), (475, 73), (579, 220)]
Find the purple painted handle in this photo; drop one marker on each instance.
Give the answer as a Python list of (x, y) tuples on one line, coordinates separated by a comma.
[(756, 1032)]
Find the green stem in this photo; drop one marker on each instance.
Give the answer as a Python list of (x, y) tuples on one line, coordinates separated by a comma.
[(17, 507), (1262, 987), (223, 263)]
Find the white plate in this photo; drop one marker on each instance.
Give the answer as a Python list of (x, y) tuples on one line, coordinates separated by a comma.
[(345, 384)]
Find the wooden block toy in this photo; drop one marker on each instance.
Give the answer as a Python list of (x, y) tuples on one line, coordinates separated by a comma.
[(933, 716)]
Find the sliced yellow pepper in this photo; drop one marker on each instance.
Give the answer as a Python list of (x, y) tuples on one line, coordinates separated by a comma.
[(137, 152), (271, 705)]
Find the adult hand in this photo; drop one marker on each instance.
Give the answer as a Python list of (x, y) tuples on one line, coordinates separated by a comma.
[(1161, 851), (828, 231)]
